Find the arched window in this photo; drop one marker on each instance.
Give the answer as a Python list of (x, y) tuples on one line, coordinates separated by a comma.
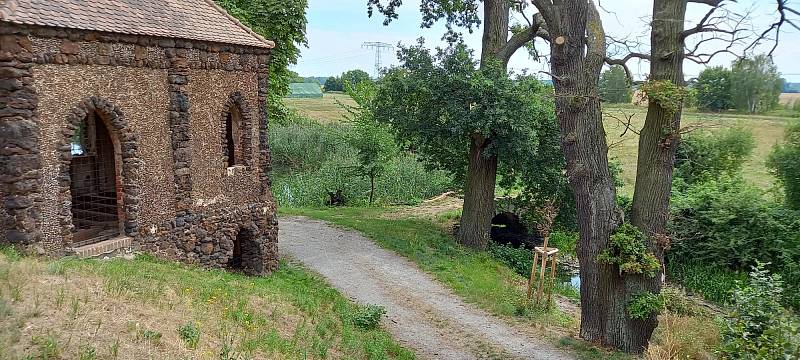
[(233, 138)]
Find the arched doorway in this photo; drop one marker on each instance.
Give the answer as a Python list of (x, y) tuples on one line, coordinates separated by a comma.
[(94, 182), (246, 253)]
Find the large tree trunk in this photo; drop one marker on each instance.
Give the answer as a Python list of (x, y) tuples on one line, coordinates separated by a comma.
[(576, 67), (657, 144), (476, 216)]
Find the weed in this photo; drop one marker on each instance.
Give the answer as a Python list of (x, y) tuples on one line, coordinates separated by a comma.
[(190, 335), (149, 336), (74, 307), (368, 317), (60, 297), (5, 309), (47, 346), (88, 352), (11, 254), (113, 350)]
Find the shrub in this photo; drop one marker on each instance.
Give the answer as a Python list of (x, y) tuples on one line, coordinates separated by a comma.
[(311, 159), (190, 335), (518, 259), (645, 305), (368, 317), (708, 155), (627, 250), (714, 282), (758, 327), (727, 223), (785, 164)]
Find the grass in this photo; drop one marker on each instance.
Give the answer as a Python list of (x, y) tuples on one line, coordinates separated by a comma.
[(685, 331), (767, 128), (475, 276), (768, 131), (325, 109), (146, 308)]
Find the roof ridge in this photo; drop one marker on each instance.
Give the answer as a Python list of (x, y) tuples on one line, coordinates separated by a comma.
[(270, 44)]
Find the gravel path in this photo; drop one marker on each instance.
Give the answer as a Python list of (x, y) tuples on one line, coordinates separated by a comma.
[(421, 313)]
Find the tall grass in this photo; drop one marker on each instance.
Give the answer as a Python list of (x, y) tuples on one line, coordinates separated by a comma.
[(312, 159)]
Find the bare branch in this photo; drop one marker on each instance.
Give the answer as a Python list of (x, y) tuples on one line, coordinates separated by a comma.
[(775, 27)]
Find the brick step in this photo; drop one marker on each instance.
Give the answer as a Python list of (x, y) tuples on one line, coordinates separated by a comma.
[(103, 247)]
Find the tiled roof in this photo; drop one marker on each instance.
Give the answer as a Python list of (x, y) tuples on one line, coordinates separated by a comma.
[(183, 19)]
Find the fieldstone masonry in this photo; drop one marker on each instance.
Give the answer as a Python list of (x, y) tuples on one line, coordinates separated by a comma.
[(202, 231)]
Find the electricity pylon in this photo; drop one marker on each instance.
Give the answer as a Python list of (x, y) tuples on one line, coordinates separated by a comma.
[(378, 47)]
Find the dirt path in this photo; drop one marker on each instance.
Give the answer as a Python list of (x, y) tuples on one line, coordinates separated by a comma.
[(421, 313)]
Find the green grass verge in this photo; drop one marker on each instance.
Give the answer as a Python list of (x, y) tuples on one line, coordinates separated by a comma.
[(475, 276), (291, 314)]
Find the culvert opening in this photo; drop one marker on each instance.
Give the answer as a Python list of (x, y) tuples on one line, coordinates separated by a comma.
[(508, 229)]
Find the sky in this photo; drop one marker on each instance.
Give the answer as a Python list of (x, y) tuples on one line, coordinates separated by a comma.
[(337, 29)]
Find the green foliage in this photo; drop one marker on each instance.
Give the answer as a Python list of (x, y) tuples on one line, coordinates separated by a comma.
[(368, 317), (518, 259), (311, 159), (645, 305), (437, 103), (354, 78), (627, 250), (190, 335), (714, 282), (755, 84), (704, 155), (334, 83), (283, 22), (373, 141), (758, 327), (665, 93), (348, 79), (614, 86), (714, 89), (784, 161), (728, 223)]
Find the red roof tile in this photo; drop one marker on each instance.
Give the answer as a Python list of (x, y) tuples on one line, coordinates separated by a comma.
[(184, 19)]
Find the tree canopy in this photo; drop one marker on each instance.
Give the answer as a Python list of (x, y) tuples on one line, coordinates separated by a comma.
[(714, 89), (437, 102), (614, 86), (283, 22), (756, 84)]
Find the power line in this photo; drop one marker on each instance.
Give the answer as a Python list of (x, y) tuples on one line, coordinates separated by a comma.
[(378, 47)]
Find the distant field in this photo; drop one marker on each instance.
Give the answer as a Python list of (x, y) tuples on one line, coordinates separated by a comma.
[(323, 110), (789, 98), (768, 130)]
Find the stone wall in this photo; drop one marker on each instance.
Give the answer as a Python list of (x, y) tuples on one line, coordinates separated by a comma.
[(172, 96)]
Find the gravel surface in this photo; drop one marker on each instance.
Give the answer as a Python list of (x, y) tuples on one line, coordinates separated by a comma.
[(422, 314)]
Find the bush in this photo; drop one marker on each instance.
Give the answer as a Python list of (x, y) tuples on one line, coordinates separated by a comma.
[(708, 155), (311, 159), (368, 317), (785, 164), (645, 305), (518, 259), (727, 223), (758, 327), (190, 335), (627, 250), (715, 283)]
